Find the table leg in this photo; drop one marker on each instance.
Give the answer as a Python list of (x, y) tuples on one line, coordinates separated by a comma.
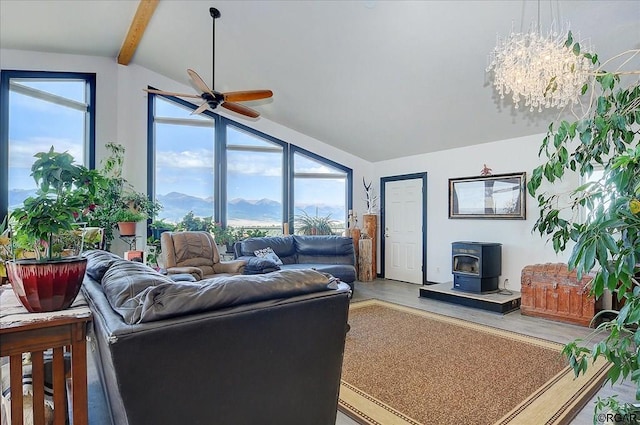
[(79, 374)]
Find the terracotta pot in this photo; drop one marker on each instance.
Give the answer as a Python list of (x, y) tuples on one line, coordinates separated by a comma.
[(127, 228), (47, 286)]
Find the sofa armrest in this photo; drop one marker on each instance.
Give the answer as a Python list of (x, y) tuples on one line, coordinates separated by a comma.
[(233, 266), (194, 271)]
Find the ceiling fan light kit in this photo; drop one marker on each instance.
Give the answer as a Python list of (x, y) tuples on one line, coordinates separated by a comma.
[(213, 99)]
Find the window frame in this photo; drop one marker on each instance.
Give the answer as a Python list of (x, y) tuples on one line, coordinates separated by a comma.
[(6, 75)]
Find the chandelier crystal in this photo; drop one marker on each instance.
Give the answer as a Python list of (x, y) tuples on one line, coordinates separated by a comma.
[(544, 71)]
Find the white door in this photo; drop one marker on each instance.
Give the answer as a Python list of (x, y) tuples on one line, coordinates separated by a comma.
[(403, 230)]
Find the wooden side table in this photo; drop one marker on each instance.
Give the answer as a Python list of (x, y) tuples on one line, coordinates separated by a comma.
[(36, 332)]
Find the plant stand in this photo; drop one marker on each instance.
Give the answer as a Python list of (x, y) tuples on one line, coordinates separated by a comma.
[(132, 253)]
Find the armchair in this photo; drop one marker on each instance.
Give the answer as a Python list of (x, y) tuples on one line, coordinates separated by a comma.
[(195, 253)]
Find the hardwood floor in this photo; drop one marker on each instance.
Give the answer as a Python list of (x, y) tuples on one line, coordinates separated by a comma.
[(408, 294)]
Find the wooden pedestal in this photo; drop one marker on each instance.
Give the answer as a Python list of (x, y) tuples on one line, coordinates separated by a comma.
[(370, 227), (366, 266), (355, 236)]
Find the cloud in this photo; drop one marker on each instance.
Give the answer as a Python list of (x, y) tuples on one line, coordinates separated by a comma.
[(317, 169), (201, 158), (21, 151), (257, 164)]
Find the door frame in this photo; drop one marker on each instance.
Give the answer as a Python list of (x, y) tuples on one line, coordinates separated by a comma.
[(383, 181)]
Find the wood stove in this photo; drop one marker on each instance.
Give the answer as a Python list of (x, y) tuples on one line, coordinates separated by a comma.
[(476, 266)]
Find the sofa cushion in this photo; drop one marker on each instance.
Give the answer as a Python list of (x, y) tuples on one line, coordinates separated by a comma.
[(182, 298), (344, 272), (323, 245), (283, 246), (258, 265), (98, 262), (324, 249), (125, 284)]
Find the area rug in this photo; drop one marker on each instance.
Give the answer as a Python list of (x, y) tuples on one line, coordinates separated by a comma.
[(408, 366)]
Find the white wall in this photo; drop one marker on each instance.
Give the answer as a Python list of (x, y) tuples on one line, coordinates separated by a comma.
[(519, 245)]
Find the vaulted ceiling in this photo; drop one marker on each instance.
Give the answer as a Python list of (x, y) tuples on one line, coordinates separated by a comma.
[(378, 79)]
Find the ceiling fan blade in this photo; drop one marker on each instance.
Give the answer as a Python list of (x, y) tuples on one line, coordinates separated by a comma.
[(243, 96), (199, 82), (200, 108), (240, 109), (170, 93)]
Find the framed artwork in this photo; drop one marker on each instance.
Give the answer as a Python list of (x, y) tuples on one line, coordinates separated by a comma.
[(499, 196)]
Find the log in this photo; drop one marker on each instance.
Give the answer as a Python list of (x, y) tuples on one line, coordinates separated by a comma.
[(365, 261), (370, 227), (355, 235)]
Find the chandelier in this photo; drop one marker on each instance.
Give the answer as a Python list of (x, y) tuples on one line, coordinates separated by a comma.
[(541, 70)]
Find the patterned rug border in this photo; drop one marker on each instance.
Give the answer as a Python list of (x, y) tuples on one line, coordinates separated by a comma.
[(535, 410)]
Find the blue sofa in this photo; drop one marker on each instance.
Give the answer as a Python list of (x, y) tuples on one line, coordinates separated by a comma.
[(330, 254)]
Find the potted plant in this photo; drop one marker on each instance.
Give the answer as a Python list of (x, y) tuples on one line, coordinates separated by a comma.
[(607, 241), (66, 193), (126, 219), (313, 225)]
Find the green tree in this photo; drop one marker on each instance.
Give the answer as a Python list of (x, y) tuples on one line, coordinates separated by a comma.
[(607, 241)]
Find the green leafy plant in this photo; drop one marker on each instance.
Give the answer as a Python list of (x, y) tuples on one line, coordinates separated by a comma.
[(128, 215), (222, 235), (306, 224), (607, 240), (162, 224), (254, 233), (191, 222), (66, 193)]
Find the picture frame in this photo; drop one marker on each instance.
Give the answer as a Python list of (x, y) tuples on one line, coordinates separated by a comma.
[(499, 196)]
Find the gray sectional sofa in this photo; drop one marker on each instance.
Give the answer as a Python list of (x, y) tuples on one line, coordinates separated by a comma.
[(239, 350), (330, 254)]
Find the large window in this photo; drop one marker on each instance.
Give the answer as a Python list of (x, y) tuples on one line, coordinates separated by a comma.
[(320, 189), (184, 161), (219, 168), (41, 110), (254, 180)]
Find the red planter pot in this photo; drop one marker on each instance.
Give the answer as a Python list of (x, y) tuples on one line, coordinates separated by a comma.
[(127, 228), (47, 286)]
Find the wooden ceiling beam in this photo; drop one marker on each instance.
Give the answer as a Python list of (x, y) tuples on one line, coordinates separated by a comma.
[(136, 30)]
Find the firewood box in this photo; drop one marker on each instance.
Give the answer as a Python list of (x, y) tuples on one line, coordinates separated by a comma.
[(553, 292)]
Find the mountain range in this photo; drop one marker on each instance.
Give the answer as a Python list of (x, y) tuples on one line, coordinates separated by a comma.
[(176, 205)]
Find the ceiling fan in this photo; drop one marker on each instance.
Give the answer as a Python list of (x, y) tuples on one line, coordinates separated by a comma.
[(212, 98)]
